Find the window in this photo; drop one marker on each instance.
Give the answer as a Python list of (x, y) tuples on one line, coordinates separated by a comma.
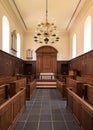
[(18, 45), (5, 34), (87, 34), (74, 46)]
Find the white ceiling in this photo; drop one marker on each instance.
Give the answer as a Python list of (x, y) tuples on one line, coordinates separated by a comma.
[(32, 12)]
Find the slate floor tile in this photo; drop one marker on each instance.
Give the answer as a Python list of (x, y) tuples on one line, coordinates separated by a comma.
[(31, 126), (59, 126), (46, 111), (19, 126), (45, 126)]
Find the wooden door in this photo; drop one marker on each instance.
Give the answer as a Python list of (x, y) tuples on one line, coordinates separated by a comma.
[(46, 59)]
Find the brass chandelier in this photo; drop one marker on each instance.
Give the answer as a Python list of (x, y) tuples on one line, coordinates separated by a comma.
[(45, 31)]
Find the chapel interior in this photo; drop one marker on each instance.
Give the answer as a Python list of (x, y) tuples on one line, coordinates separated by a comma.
[(46, 65)]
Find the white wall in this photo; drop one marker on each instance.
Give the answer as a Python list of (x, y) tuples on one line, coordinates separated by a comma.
[(62, 46), (6, 10), (78, 28)]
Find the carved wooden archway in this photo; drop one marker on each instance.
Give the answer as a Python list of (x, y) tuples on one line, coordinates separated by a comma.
[(46, 60)]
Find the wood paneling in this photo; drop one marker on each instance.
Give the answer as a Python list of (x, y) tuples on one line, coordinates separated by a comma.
[(46, 60), (10, 65), (83, 63), (29, 67)]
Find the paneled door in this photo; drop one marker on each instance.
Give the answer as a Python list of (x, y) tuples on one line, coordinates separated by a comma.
[(46, 60)]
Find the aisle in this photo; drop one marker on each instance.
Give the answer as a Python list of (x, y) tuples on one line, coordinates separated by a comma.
[(46, 111)]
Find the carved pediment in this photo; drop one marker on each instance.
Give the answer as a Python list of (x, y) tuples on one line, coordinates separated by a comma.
[(46, 49)]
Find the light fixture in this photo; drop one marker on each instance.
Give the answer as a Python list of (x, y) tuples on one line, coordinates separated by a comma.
[(45, 31)]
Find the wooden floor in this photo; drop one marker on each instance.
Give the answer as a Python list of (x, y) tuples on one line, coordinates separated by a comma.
[(46, 111)]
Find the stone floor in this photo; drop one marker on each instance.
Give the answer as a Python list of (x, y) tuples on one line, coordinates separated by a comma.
[(46, 111)]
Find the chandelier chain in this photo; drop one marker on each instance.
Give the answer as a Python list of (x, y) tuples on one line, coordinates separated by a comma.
[(46, 11)]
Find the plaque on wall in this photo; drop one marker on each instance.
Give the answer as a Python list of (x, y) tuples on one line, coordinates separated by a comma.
[(14, 41), (29, 54)]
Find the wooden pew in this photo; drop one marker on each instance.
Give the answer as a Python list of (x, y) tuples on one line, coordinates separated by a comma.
[(87, 88), (29, 78), (16, 86), (30, 84), (75, 85), (82, 111), (30, 87), (62, 88), (88, 91), (10, 89), (6, 79), (10, 110), (4, 93), (85, 79)]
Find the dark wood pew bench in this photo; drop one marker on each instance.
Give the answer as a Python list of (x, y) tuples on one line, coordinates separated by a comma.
[(88, 93), (11, 110), (62, 88), (16, 86), (30, 87), (7, 79), (75, 85), (4, 89), (85, 79), (82, 111)]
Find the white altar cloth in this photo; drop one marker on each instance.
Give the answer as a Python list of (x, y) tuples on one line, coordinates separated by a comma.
[(47, 76)]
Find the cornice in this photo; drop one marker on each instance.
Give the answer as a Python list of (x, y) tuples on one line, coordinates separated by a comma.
[(82, 12), (6, 5)]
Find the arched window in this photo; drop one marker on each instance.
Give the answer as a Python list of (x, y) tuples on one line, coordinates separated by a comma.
[(87, 34), (74, 46), (18, 45), (5, 34)]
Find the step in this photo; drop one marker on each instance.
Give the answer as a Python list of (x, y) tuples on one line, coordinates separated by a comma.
[(46, 84)]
